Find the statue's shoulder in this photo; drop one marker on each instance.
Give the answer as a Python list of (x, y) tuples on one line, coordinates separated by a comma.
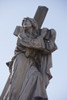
[(44, 30)]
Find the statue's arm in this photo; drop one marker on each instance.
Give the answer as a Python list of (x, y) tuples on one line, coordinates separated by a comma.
[(49, 41), (36, 43), (39, 43)]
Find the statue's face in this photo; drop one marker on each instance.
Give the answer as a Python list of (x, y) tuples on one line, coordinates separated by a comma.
[(29, 25), (26, 24)]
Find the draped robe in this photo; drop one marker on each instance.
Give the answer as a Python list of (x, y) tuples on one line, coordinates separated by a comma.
[(30, 73)]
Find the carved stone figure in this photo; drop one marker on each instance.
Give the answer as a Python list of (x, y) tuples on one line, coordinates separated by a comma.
[(30, 66)]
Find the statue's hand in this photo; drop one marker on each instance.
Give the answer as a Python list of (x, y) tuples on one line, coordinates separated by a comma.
[(22, 36)]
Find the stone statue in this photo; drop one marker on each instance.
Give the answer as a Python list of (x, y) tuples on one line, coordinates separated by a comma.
[(30, 66)]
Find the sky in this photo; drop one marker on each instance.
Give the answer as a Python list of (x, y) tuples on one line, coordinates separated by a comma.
[(12, 13)]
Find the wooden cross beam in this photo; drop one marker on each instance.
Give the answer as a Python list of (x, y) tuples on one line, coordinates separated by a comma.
[(39, 17)]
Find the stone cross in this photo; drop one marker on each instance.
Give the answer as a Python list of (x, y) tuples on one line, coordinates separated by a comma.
[(40, 15)]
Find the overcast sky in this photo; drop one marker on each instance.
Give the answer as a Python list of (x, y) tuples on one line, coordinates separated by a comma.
[(12, 13)]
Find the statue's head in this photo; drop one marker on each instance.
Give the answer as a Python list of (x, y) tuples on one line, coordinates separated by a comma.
[(29, 22), (30, 26)]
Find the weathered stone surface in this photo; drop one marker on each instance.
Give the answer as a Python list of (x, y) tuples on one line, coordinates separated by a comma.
[(40, 15), (30, 66)]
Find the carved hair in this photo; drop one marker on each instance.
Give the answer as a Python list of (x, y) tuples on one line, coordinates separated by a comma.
[(32, 21), (33, 24)]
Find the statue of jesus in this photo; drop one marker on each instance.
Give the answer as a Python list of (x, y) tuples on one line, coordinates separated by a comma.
[(30, 66)]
